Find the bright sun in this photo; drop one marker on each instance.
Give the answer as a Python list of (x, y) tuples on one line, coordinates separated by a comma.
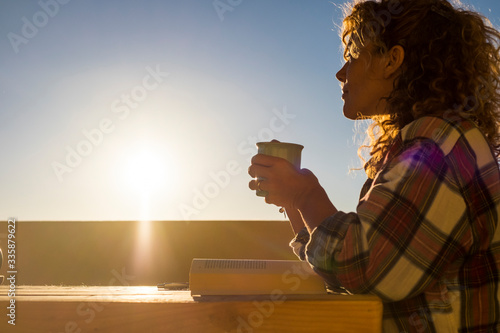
[(145, 171)]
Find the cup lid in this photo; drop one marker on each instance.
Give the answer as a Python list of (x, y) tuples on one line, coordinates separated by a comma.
[(278, 143)]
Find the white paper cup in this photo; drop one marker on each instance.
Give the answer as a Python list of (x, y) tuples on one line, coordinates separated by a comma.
[(289, 151)]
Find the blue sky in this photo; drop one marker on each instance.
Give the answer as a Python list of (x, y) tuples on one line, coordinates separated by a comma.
[(125, 110)]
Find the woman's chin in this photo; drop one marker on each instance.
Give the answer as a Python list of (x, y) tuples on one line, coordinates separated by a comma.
[(352, 115)]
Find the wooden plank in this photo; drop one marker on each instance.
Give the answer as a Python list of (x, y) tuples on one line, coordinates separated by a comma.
[(136, 309)]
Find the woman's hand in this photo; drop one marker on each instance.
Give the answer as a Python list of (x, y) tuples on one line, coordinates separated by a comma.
[(283, 182), (291, 188)]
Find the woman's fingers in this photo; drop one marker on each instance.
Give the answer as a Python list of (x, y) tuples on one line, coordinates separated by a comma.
[(266, 160), (262, 165), (253, 184), (258, 184), (277, 176)]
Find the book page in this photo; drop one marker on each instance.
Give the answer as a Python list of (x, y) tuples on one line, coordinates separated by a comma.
[(252, 277)]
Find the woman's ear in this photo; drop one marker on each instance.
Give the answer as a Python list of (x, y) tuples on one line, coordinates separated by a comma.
[(394, 60)]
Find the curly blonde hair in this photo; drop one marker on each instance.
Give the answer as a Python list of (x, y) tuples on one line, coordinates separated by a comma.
[(451, 66)]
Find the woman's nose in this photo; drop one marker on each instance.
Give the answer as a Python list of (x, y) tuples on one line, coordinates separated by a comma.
[(341, 73)]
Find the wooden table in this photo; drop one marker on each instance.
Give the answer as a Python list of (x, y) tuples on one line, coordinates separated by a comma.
[(145, 309)]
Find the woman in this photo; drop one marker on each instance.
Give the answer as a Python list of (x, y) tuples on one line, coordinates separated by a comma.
[(425, 235)]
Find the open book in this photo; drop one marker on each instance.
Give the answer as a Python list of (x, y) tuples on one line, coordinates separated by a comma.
[(253, 277)]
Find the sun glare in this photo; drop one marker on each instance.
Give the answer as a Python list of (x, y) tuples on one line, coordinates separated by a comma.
[(145, 171)]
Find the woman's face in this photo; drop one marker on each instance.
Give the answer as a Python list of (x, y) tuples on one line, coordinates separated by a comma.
[(364, 85)]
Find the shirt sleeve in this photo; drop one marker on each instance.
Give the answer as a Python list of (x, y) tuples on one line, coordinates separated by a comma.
[(407, 228), (299, 242)]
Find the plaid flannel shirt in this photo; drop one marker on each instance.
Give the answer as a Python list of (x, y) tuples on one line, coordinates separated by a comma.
[(424, 236)]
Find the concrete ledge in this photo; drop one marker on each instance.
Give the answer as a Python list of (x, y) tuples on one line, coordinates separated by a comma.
[(134, 253)]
